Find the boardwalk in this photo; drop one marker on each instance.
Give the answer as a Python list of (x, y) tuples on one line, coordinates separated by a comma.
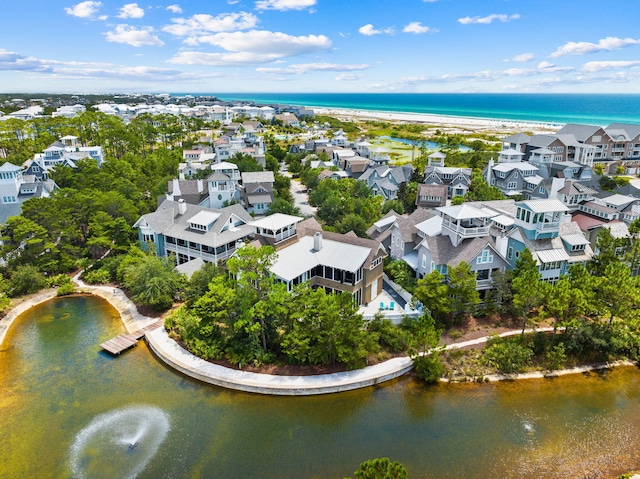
[(125, 341)]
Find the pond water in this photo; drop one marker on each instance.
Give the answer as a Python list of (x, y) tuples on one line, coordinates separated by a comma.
[(69, 410)]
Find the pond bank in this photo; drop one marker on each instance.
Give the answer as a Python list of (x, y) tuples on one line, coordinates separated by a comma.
[(171, 353)]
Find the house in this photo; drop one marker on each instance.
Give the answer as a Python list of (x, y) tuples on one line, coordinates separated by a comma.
[(431, 196), (193, 192), (404, 235), (385, 181), (457, 180), (288, 119), (16, 188), (437, 253), (335, 262), (257, 191), (574, 192), (189, 231), (222, 185)]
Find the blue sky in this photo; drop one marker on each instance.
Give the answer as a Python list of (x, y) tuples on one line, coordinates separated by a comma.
[(321, 46)]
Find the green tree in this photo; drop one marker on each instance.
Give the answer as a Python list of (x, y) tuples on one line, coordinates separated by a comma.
[(529, 290), (26, 279), (152, 281), (462, 290), (381, 468), (250, 266), (424, 338), (352, 222), (607, 248), (563, 303), (617, 292), (433, 294)]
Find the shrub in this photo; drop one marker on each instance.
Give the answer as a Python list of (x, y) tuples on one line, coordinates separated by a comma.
[(97, 276), (381, 468), (507, 356), (390, 337), (66, 289), (556, 357), (26, 279), (59, 280), (429, 368)]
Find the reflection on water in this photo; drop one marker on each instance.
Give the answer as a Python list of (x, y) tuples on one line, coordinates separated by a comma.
[(56, 384)]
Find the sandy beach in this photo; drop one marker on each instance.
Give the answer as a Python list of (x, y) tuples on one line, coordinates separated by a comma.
[(449, 124)]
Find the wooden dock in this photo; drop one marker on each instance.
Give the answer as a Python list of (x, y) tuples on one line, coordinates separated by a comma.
[(125, 341)]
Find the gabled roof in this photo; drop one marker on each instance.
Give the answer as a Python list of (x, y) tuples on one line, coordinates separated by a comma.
[(543, 206), (518, 138), (443, 251), (218, 176), (9, 167), (576, 188), (463, 212), (632, 131), (258, 177), (580, 132)]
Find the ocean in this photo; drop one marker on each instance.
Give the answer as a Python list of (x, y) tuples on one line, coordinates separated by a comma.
[(592, 109)]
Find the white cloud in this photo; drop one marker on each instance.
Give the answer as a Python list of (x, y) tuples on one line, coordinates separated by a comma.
[(268, 43), (203, 24), (253, 47), (489, 18), (605, 44), (283, 5), (544, 65), (368, 30), (136, 37), (313, 67), (13, 61), (174, 8), (417, 28), (523, 57), (349, 77), (84, 9), (609, 65), (131, 10)]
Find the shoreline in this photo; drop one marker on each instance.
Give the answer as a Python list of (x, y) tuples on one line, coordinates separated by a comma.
[(468, 122), (171, 353)]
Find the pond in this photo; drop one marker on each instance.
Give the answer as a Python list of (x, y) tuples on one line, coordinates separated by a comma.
[(69, 410)]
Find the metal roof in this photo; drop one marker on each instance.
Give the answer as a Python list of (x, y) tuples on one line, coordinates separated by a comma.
[(300, 257), (204, 218), (463, 212), (575, 239), (276, 221), (551, 255), (544, 206)]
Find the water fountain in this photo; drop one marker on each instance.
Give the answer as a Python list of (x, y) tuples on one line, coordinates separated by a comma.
[(119, 443)]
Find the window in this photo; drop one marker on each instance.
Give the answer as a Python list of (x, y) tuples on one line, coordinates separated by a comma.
[(147, 237), (558, 158), (485, 257), (596, 138), (9, 199), (376, 262), (512, 185), (510, 253), (577, 247), (424, 261)]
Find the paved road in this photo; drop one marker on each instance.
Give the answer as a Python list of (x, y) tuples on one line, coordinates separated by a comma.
[(299, 193)]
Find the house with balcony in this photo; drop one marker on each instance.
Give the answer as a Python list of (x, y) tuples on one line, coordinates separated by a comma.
[(437, 253), (556, 242), (464, 222), (517, 142), (335, 262), (16, 188), (404, 234), (189, 231)]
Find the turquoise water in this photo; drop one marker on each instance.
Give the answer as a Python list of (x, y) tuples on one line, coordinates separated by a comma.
[(69, 410), (554, 108)]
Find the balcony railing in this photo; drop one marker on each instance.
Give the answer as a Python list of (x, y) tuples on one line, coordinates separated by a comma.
[(465, 232), (553, 225)]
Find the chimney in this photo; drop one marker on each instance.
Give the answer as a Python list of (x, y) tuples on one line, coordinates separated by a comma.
[(182, 207), (200, 186), (317, 242), (176, 187)]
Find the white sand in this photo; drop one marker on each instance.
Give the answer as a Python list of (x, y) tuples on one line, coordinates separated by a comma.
[(460, 123)]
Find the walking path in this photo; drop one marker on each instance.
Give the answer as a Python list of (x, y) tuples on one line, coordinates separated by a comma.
[(170, 352)]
